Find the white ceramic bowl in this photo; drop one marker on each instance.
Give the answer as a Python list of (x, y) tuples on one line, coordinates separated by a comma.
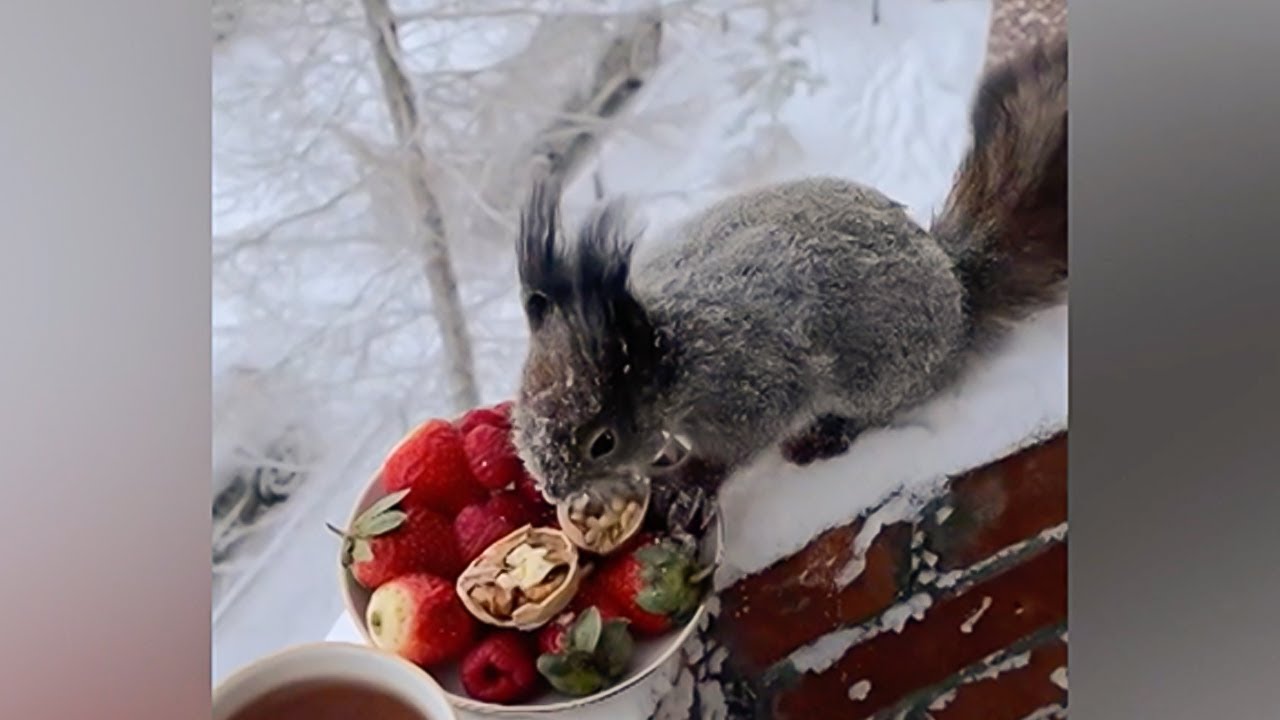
[(650, 653)]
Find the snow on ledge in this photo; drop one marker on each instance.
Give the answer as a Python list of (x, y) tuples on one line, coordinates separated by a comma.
[(1011, 399)]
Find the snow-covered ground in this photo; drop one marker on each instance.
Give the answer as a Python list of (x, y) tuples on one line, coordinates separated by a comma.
[(323, 327)]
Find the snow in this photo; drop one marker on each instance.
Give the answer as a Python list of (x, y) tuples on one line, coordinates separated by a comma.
[(1048, 712), (995, 668), (951, 579), (334, 307), (826, 650), (1008, 401), (972, 621), (942, 701), (900, 508), (860, 690)]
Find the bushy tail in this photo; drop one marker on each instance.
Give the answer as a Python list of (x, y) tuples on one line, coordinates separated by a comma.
[(1005, 220)]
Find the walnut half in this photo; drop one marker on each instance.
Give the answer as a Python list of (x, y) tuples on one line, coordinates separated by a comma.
[(600, 521), (522, 580)]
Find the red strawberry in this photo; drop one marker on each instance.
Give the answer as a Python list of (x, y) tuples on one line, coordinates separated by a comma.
[(591, 595), (498, 416), (511, 505), (432, 464), (655, 586), (546, 517), (552, 636), (585, 654), (492, 457), (385, 542), (500, 669), (528, 488), (420, 618), (479, 526)]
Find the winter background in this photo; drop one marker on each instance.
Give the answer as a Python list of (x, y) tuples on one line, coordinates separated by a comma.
[(337, 225)]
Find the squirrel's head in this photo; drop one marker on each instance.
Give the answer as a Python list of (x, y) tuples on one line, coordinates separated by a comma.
[(585, 411)]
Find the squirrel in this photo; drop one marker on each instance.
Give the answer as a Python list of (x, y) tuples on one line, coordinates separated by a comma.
[(794, 315)]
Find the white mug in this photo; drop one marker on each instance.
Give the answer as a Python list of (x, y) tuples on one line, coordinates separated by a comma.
[(333, 661)]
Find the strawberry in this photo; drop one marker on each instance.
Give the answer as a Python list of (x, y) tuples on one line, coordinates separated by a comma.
[(655, 586), (500, 669), (546, 517), (385, 542), (420, 618), (432, 464), (544, 513), (479, 526), (511, 505), (552, 636), (585, 654), (492, 457), (591, 595), (498, 416), (528, 488)]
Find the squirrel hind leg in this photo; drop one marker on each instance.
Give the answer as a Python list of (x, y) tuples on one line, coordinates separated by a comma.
[(826, 437)]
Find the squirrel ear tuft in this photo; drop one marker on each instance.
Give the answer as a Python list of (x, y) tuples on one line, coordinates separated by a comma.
[(612, 318), (587, 283), (604, 258), (545, 277)]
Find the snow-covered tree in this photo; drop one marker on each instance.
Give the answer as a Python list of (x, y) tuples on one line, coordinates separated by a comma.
[(370, 158)]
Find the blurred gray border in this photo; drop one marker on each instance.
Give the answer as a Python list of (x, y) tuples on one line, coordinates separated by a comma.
[(104, 174), (1175, 359), (104, 366)]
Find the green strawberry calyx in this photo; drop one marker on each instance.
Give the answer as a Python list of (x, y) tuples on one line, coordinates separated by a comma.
[(673, 581), (595, 654), (379, 518)]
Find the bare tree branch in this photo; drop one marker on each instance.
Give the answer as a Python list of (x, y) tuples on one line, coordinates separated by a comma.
[(626, 64), (446, 305), (573, 127)]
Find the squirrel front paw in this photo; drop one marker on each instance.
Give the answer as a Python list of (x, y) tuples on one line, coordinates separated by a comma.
[(684, 500), (827, 437)]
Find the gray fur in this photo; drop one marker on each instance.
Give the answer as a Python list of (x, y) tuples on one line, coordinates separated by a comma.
[(825, 298), (777, 306), (785, 311)]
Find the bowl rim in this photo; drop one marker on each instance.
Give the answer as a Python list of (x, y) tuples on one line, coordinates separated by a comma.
[(345, 583), (242, 673)]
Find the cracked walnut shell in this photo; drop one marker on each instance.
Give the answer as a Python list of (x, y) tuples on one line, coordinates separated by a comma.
[(602, 523), (523, 580)]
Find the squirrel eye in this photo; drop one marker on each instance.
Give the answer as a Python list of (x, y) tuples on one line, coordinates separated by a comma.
[(602, 444)]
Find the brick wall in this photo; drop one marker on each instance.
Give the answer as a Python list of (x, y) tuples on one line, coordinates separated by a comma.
[(958, 614)]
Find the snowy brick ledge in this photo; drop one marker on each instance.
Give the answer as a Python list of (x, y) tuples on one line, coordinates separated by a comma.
[(956, 612), (921, 575), (1011, 399)]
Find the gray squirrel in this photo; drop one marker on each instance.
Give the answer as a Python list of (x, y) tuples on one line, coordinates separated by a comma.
[(794, 315)]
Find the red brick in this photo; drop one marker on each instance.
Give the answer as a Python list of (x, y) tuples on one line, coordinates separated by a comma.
[(1002, 504), (1013, 694), (795, 601), (1025, 598), (768, 615)]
